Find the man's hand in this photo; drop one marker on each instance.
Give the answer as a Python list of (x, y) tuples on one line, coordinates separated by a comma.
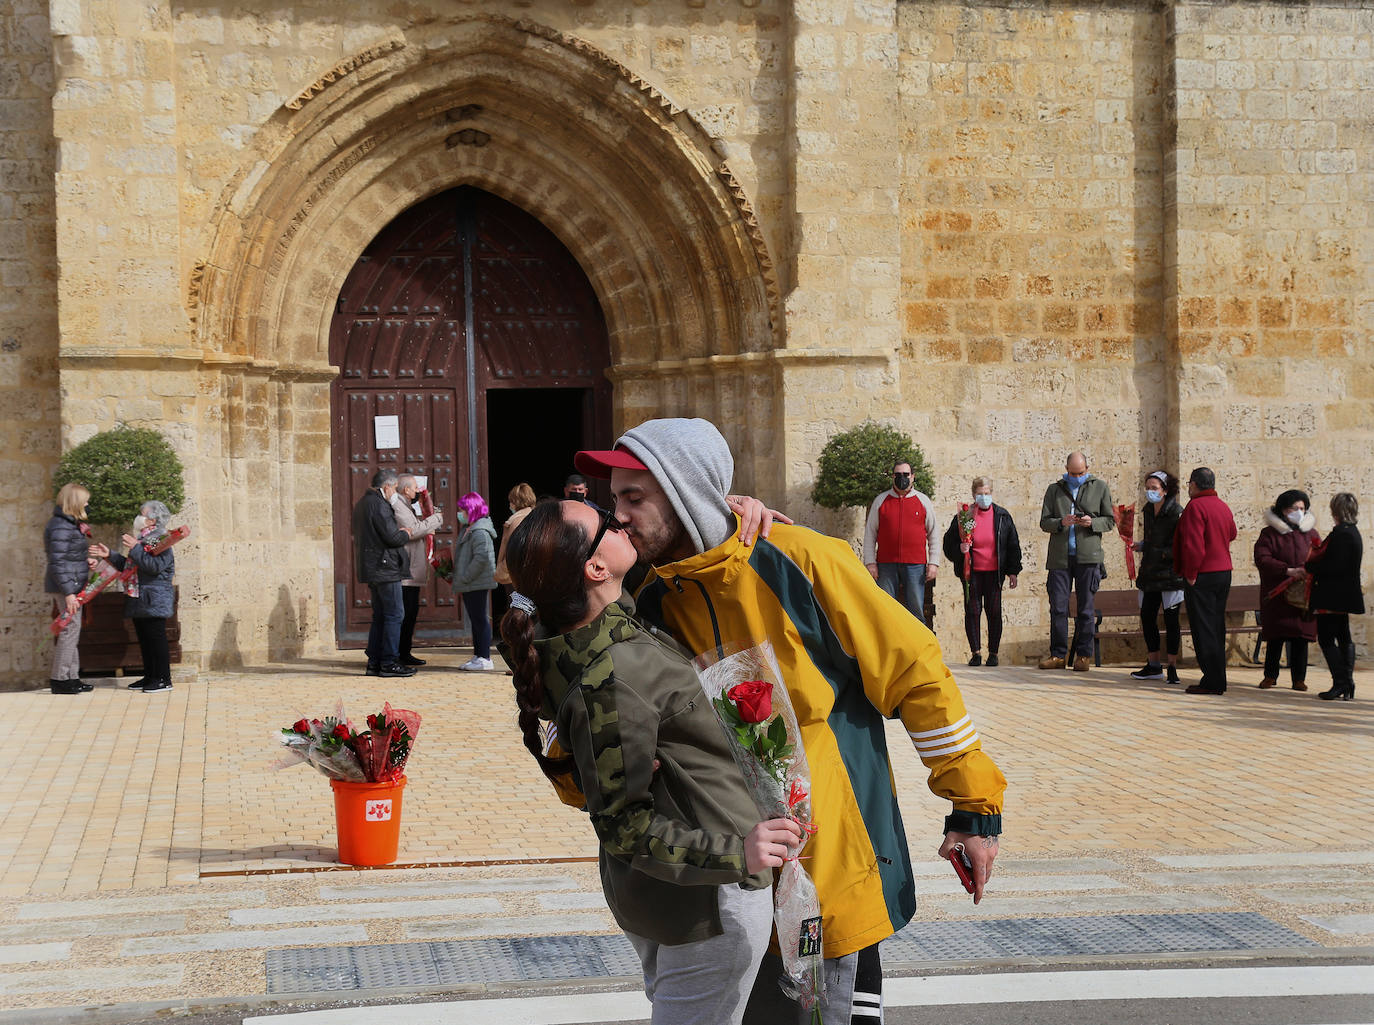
[(1085, 520), (1069, 520), (755, 517), (872, 568), (930, 570), (1011, 580), (98, 551), (981, 850)]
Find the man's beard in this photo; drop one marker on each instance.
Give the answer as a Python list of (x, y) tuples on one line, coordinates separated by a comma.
[(668, 543)]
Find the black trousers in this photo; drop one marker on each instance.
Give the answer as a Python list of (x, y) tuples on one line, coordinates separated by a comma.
[(410, 602), (1149, 610), (1333, 634), (152, 643), (1206, 601), (1297, 658), (983, 593)]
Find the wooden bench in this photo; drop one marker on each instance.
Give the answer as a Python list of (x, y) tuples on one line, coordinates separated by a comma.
[(1108, 604)]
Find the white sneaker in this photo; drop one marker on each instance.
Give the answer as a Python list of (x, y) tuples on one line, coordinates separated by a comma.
[(478, 665)]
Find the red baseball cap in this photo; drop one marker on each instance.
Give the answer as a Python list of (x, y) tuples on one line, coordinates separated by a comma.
[(599, 464)]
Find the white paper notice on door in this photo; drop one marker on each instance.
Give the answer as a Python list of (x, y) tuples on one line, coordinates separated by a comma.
[(421, 482), (387, 431)]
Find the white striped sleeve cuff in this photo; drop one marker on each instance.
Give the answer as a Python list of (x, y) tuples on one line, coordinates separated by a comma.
[(946, 740)]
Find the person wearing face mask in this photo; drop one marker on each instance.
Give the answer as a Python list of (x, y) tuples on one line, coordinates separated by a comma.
[(994, 555), (1076, 512), (153, 600), (1281, 555), (1161, 588), (418, 576), (900, 548)]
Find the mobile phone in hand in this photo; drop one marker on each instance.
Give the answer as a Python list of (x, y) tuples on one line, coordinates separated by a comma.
[(963, 868)]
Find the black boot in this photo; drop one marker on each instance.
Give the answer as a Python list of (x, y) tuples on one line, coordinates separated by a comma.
[(64, 686)]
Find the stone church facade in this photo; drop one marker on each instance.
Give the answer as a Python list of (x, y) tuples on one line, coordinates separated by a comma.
[(1012, 229)]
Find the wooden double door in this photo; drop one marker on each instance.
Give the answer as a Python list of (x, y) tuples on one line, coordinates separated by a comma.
[(472, 352)]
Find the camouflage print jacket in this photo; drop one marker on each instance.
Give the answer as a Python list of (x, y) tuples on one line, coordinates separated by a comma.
[(621, 698)]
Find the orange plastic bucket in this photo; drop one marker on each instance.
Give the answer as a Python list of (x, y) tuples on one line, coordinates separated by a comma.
[(368, 817)]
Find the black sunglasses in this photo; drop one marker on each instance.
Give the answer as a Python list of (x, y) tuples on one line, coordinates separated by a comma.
[(608, 522)]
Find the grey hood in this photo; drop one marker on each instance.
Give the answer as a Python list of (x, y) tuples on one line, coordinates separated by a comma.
[(692, 463)]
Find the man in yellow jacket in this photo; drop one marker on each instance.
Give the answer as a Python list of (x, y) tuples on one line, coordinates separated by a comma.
[(851, 657)]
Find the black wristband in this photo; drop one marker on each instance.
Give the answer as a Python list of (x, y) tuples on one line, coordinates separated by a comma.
[(973, 823)]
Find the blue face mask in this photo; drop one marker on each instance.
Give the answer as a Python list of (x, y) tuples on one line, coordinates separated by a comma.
[(984, 501), (1153, 496), (1075, 482)]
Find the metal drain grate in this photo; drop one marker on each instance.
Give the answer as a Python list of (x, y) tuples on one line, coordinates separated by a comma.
[(1090, 934), (458, 962)]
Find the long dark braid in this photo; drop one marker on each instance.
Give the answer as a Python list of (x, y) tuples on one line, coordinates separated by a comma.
[(545, 558)]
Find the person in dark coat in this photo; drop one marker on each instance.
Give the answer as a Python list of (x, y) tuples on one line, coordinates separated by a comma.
[(1281, 554), (1336, 595), (151, 601), (994, 554), (1161, 586), (66, 539), (379, 556)]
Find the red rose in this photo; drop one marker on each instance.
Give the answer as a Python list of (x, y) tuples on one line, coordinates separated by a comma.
[(341, 731), (301, 726), (753, 698)]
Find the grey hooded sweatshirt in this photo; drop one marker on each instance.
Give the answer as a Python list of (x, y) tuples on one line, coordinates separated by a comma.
[(692, 463)]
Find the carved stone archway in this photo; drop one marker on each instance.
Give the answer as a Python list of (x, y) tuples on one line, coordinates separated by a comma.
[(630, 184)]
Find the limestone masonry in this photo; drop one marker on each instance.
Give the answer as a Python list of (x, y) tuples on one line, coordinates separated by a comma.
[(1012, 229)]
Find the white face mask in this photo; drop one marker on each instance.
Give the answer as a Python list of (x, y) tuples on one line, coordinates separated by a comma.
[(1295, 517), (1153, 496), (984, 501)]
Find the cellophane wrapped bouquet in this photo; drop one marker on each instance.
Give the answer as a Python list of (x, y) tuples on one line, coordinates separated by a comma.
[(378, 754), (746, 690)]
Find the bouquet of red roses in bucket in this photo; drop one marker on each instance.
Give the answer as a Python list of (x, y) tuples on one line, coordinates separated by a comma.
[(375, 755), (746, 690)]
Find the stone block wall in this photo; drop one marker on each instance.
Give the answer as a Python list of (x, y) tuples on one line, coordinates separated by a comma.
[(1140, 229), (29, 400), (1032, 263), (1273, 255)]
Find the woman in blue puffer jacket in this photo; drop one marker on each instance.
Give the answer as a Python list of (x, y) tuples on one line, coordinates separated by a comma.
[(154, 601), (66, 540)]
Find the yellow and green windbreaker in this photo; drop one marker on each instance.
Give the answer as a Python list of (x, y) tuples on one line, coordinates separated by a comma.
[(850, 656)]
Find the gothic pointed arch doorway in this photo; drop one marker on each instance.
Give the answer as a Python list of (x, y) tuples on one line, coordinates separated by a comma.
[(472, 351)]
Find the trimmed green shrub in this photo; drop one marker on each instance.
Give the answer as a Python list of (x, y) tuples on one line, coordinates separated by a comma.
[(122, 469), (856, 466)]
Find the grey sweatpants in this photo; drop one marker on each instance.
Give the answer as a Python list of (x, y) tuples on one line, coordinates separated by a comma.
[(707, 982), (66, 662)]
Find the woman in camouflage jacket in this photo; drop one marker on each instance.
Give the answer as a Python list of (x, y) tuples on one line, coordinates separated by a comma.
[(685, 865)]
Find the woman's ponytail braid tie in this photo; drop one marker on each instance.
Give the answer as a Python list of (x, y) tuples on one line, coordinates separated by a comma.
[(519, 601)]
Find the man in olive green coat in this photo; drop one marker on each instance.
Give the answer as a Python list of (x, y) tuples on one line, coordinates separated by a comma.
[(1076, 512)]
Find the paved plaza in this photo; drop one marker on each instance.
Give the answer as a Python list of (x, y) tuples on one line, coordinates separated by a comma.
[(149, 851)]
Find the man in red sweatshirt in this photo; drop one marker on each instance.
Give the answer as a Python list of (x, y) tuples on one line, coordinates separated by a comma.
[(1202, 556)]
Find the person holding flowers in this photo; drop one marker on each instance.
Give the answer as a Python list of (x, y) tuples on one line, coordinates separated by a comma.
[(685, 865), (982, 544), (154, 600), (851, 660), (66, 540)]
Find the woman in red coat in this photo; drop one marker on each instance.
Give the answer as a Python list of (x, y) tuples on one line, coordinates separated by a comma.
[(1280, 554)]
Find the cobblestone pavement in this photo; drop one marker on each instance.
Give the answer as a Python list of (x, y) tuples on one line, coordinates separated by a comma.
[(149, 850)]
